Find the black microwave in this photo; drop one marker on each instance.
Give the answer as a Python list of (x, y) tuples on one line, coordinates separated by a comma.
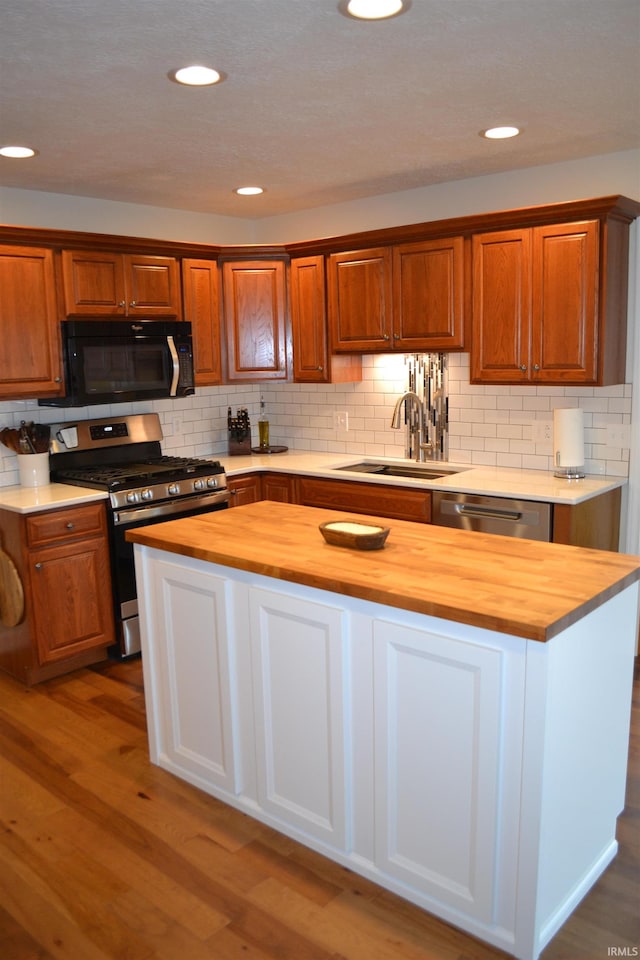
[(112, 361)]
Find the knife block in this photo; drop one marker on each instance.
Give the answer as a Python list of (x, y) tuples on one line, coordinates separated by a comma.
[(239, 428), (239, 447)]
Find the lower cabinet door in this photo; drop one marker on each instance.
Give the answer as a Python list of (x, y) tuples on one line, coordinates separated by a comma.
[(439, 759), (193, 676), (299, 669), (71, 591)]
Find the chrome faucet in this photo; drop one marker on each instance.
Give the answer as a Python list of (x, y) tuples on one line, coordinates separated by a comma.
[(416, 429)]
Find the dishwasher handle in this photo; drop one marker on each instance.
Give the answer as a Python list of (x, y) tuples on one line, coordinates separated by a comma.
[(486, 513)]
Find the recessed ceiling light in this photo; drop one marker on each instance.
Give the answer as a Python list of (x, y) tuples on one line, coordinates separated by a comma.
[(249, 191), (196, 76), (375, 9), (17, 153), (500, 133)]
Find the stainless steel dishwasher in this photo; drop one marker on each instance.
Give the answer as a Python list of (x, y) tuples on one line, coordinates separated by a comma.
[(529, 519)]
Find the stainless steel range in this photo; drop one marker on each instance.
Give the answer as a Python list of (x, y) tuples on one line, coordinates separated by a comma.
[(123, 455)]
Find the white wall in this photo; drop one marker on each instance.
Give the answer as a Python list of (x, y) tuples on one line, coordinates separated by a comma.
[(31, 208), (614, 173), (488, 424)]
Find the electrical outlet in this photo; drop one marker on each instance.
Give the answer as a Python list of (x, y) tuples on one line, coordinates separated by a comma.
[(176, 424), (341, 420), (542, 431), (619, 435)]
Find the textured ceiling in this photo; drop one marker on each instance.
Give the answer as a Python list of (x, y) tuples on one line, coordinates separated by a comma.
[(316, 107)]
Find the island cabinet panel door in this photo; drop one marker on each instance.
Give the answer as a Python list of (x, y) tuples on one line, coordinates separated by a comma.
[(192, 652), (299, 667), (445, 823)]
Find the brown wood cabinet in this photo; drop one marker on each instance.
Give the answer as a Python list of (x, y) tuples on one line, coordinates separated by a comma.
[(371, 498), (548, 286), (62, 558), (280, 487), (106, 284), (257, 338), (407, 297), (244, 488), (429, 295), (312, 360), (30, 361), (360, 299), (546, 306), (593, 523), (201, 298)]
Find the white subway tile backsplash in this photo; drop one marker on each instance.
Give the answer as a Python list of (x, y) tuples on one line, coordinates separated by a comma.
[(489, 425)]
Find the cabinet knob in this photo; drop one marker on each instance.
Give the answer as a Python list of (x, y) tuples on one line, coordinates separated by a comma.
[(133, 304), (320, 368), (523, 366), (536, 366), (396, 336), (386, 336), (57, 379), (38, 566), (70, 525), (121, 304)]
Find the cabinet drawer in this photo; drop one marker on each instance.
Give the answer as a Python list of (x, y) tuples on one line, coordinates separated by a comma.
[(56, 525), (373, 499)]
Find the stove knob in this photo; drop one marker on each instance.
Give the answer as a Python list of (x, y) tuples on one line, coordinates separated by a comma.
[(212, 482), (173, 489), (147, 494), (199, 485), (132, 497)]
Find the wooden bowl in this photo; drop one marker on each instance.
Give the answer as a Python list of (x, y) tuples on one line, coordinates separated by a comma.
[(356, 534)]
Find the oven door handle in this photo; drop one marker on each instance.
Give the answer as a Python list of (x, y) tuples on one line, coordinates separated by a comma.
[(171, 508), (175, 363)]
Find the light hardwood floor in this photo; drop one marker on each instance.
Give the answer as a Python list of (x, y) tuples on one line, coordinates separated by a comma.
[(104, 856)]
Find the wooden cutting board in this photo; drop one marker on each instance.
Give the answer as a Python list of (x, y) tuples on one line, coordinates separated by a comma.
[(11, 592)]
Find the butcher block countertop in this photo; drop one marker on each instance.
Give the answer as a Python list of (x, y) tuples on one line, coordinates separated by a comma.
[(522, 587)]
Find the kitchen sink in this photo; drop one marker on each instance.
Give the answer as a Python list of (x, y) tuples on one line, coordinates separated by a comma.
[(419, 471)]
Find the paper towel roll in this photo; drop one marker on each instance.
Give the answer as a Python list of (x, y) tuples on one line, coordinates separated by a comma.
[(568, 437)]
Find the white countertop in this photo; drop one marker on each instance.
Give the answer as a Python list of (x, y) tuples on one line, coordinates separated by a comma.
[(487, 481), (32, 499)]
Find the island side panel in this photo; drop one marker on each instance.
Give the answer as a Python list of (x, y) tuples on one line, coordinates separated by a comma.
[(577, 718)]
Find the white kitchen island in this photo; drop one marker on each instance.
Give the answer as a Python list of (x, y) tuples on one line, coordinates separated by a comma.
[(448, 716)]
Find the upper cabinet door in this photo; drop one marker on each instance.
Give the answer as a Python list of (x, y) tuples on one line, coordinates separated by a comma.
[(258, 344), (201, 292), (309, 320), (501, 310), (93, 284), (565, 303), (30, 363), (360, 300), (153, 286), (428, 295), (119, 285)]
